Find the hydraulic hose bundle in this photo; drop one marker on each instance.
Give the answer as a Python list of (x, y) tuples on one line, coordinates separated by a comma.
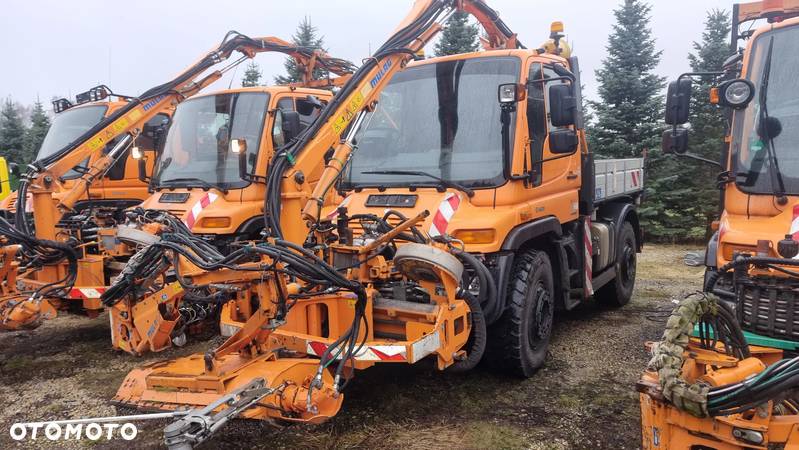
[(716, 325)]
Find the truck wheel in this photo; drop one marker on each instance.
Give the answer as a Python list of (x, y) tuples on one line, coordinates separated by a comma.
[(519, 340), (619, 291)]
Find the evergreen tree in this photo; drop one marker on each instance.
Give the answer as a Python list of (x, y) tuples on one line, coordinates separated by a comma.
[(708, 125), (682, 197), (628, 115), (306, 36), (458, 36), (12, 133), (34, 137), (252, 75)]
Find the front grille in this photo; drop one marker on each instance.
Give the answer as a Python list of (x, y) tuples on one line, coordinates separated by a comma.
[(767, 306)]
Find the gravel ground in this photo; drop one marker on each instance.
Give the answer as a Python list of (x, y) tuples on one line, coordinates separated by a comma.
[(583, 398)]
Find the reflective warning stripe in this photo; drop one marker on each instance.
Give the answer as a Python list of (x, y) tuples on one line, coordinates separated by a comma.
[(86, 293), (199, 206), (589, 250), (372, 353), (442, 217), (333, 214)]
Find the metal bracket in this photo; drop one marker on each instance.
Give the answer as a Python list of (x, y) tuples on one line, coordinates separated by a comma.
[(199, 424)]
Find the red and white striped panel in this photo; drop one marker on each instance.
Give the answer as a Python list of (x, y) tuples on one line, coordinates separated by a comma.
[(794, 231), (442, 217), (635, 177), (589, 250), (85, 293), (197, 208), (371, 353), (333, 214)]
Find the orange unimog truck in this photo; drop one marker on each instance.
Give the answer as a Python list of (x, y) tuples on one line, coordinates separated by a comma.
[(385, 278), (724, 376), (218, 199), (57, 257), (750, 255), (509, 180)]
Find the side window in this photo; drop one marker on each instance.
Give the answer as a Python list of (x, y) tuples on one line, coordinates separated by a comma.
[(537, 123), (146, 141), (286, 104), (549, 73), (308, 110)]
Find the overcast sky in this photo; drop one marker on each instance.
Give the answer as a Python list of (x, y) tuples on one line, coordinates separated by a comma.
[(56, 47)]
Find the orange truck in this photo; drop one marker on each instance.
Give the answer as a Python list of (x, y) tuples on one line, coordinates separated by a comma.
[(469, 197), (750, 255), (44, 265), (726, 384), (220, 200)]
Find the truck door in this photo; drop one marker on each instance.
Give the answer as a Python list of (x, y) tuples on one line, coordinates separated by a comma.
[(122, 179), (549, 172)]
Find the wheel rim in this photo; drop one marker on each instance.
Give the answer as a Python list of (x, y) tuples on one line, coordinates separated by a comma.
[(542, 319), (627, 269)]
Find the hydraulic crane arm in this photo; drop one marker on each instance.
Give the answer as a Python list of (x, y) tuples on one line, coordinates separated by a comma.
[(357, 96), (132, 117)]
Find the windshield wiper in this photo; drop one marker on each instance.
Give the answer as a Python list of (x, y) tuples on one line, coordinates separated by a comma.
[(446, 183), (768, 140), (203, 184)]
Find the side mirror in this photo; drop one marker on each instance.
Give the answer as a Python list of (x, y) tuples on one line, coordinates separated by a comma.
[(678, 101), (675, 140), (239, 147), (563, 141), (14, 169), (314, 100), (138, 155), (562, 105), (291, 125), (735, 94), (769, 128)]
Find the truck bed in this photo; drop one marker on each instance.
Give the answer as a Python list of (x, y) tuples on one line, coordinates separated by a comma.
[(618, 177)]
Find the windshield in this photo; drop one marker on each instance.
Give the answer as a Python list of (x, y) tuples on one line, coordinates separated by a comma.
[(442, 119), (197, 147), (68, 126), (753, 164)]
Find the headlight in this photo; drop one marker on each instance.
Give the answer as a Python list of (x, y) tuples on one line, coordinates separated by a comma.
[(736, 93)]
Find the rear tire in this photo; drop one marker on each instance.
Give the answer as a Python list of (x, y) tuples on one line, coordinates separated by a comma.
[(519, 340), (619, 291)]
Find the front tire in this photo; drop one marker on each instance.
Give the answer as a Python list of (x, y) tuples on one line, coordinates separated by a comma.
[(618, 292), (519, 340)]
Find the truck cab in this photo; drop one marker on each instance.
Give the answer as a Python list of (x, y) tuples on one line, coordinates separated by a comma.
[(121, 187), (198, 176), (492, 144)]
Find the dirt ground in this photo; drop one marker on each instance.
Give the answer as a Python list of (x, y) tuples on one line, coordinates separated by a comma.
[(583, 398)]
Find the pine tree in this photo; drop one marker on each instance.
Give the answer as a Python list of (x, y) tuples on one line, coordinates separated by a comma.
[(12, 133), (458, 36), (252, 75), (306, 36), (628, 115), (34, 137), (683, 198), (707, 121)]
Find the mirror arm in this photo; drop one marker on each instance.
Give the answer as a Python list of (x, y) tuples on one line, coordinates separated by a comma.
[(553, 158), (699, 158)]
